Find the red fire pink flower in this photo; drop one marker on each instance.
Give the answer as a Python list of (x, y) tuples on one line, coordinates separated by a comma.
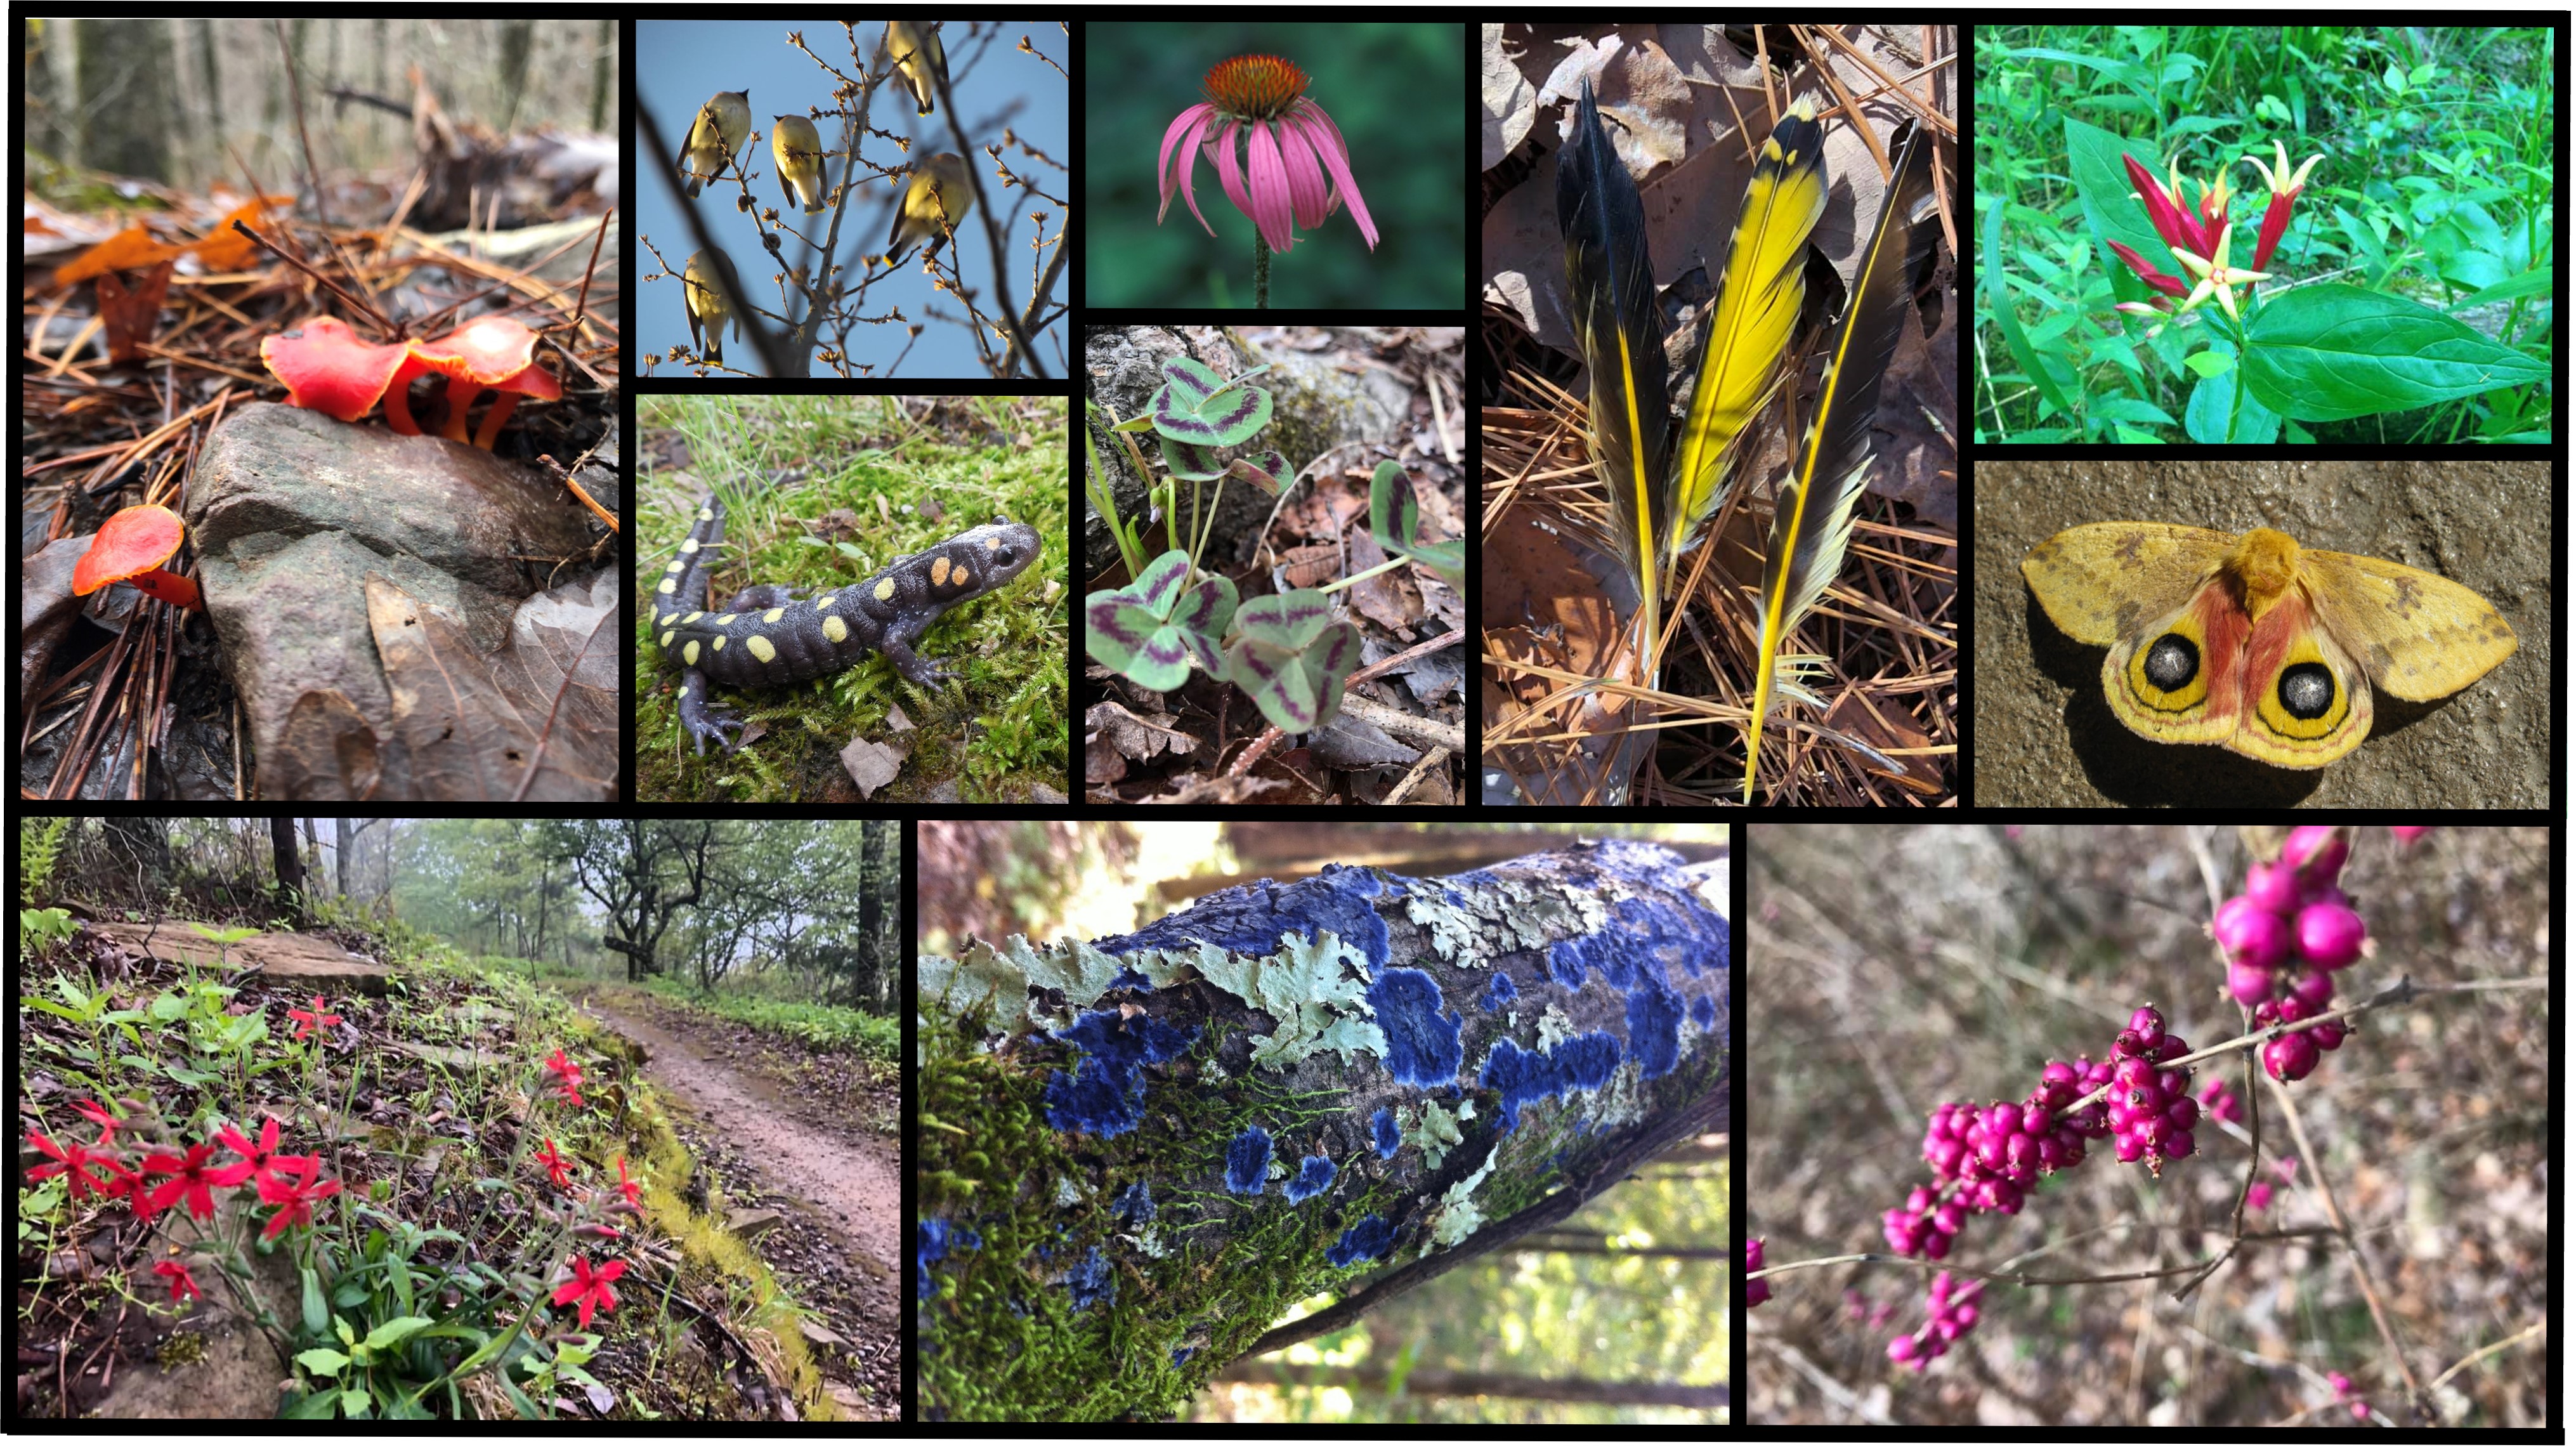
[(107, 1124), (256, 1159), (190, 1180), (557, 1167), (313, 1019), (590, 1288), (73, 1160), (297, 1196), (627, 1187), (182, 1285)]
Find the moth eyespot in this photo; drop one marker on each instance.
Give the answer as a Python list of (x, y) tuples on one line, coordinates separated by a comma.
[(2173, 661), (2307, 690)]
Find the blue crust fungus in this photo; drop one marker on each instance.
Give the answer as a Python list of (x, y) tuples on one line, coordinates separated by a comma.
[(1582, 1063), (1421, 1041), (1498, 992), (1249, 919), (1090, 1283), (933, 1238), (1135, 1205), (1367, 1241), (1247, 1162), (1105, 1096), (1382, 1133), (1314, 1176)]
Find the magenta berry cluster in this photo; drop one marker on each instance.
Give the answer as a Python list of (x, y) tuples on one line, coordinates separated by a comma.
[(2343, 1393), (2285, 937), (2219, 1103), (1954, 1310), (1986, 1158), (1756, 1291)]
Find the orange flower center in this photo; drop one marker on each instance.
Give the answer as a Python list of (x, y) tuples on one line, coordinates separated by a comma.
[(1257, 87)]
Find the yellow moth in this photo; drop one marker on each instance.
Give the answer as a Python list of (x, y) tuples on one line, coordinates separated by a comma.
[(2254, 642)]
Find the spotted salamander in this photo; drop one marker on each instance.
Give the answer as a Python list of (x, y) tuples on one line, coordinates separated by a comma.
[(769, 635)]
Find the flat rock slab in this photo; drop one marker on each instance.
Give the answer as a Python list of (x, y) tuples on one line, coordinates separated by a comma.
[(307, 959), (752, 1223)]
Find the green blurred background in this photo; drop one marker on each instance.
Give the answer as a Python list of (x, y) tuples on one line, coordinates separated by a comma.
[(1392, 90)]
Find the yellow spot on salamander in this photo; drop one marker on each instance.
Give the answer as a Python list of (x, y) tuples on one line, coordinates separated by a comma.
[(692, 618), (773, 615), (706, 515), (729, 617), (824, 603), (835, 629), (675, 565), (687, 545), (885, 590), (667, 637), (667, 619), (760, 648), (939, 570), (689, 655), (720, 643), (668, 585)]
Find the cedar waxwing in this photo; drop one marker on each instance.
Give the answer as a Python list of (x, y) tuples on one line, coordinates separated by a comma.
[(800, 160), (706, 303), (939, 193), (914, 46), (723, 124)]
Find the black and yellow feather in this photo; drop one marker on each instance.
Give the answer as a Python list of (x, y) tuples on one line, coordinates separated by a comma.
[(1611, 283), (1745, 330), (1812, 517)]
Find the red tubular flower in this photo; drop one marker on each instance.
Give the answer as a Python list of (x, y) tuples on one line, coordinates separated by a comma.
[(256, 1159), (627, 1187), (2169, 285), (296, 1196), (2179, 228), (590, 1288), (557, 1167), (2286, 186), (312, 1019), (182, 1285), (189, 1181), (73, 1161)]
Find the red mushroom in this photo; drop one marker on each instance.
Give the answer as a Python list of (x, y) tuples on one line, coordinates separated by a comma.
[(325, 367), (493, 352), (131, 549)]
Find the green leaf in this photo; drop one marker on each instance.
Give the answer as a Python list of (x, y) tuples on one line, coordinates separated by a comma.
[(1198, 407), (1391, 492), (1293, 656), (397, 1331), (1135, 630), (355, 1403), (317, 1316), (319, 1405), (1263, 470), (2324, 353), (1191, 462), (321, 1361)]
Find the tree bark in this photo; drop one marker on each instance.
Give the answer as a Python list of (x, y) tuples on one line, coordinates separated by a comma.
[(1110, 1134), (290, 871)]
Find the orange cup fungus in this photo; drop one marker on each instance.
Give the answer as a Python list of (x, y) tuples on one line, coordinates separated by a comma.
[(131, 549), (326, 367)]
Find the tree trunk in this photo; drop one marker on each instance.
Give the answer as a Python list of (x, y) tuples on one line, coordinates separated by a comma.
[(1138, 1154)]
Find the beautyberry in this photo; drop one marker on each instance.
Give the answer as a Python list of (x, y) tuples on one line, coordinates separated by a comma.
[(2290, 1057), (2249, 984), (2273, 886), (2252, 935), (2330, 935)]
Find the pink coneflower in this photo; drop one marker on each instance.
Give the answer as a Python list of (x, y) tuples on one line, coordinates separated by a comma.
[(1292, 145)]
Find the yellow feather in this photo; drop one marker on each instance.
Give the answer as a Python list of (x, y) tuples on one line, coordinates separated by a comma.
[(1745, 331), (1812, 518)]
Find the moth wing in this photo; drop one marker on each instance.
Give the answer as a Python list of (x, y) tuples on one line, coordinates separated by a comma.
[(2178, 678), (2102, 582), (2419, 635), (2305, 703)]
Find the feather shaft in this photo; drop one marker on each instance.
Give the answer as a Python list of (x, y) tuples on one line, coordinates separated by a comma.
[(1612, 288), (1812, 519)]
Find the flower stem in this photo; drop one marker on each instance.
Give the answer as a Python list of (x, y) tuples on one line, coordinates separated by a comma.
[(1260, 273)]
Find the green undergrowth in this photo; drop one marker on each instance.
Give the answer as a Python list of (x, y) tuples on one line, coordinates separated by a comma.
[(1002, 1337), (824, 1027)]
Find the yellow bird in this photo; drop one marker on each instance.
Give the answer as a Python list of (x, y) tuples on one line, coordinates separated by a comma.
[(800, 160), (706, 303), (914, 45), (723, 124), (935, 201)]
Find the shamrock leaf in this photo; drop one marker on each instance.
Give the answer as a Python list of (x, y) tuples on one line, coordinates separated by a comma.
[(1292, 655), (1198, 407), (1391, 491), (1154, 627)]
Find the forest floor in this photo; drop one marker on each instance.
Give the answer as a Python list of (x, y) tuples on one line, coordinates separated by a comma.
[(800, 1135)]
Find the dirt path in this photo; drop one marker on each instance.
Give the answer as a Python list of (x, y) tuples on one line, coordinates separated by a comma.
[(846, 1179)]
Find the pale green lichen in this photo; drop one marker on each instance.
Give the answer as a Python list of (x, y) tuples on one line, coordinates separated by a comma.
[(1005, 977), (1457, 1217), (1453, 931), (1310, 990), (1554, 1029), (1436, 1131)]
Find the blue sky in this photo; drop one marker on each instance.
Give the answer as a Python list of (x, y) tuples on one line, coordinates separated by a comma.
[(679, 64)]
